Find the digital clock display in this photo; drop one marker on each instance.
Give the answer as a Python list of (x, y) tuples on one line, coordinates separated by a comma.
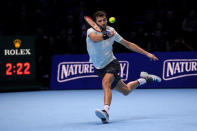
[(18, 69), (17, 59)]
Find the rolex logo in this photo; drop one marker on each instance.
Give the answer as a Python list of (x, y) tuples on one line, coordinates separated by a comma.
[(17, 43), (17, 51)]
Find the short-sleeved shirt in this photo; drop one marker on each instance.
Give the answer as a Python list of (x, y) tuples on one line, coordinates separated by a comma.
[(101, 53)]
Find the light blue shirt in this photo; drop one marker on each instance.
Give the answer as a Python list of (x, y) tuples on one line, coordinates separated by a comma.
[(101, 53)]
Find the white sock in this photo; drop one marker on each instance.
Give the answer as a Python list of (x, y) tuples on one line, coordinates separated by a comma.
[(106, 108), (142, 81)]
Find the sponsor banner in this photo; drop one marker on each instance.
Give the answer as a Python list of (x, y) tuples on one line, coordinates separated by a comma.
[(177, 70), (68, 71)]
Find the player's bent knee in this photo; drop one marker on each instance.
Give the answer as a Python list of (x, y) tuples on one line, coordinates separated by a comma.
[(122, 88), (125, 93)]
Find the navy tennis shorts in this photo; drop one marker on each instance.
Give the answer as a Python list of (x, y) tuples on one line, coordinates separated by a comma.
[(114, 68)]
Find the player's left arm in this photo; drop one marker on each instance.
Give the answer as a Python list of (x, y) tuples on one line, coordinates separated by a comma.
[(136, 48)]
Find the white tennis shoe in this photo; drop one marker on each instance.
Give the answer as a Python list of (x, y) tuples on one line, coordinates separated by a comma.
[(103, 115), (150, 77)]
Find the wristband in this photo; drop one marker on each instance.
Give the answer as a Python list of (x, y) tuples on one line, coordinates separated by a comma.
[(105, 36)]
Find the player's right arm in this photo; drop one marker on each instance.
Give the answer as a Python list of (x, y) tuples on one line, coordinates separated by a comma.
[(96, 37)]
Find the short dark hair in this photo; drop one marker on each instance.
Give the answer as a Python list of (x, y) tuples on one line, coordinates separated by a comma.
[(99, 14)]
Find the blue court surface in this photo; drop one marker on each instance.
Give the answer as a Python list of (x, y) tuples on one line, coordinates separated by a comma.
[(73, 110)]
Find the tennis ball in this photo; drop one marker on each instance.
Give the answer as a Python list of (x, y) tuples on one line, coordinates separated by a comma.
[(112, 19)]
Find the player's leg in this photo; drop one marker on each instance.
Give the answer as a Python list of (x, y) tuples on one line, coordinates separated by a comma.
[(125, 89), (106, 83), (144, 78)]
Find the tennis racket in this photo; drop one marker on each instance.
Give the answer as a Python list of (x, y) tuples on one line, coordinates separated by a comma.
[(92, 23)]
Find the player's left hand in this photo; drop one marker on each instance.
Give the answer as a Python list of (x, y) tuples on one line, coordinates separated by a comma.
[(152, 57), (110, 33)]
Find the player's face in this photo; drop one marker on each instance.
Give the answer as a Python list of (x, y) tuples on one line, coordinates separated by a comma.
[(102, 21)]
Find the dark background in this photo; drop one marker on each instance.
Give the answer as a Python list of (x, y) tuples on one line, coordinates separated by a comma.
[(59, 27)]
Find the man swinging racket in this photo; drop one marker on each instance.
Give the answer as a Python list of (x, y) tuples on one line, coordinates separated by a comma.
[(99, 47)]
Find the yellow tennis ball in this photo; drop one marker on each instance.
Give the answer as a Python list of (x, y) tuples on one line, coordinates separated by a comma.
[(112, 19)]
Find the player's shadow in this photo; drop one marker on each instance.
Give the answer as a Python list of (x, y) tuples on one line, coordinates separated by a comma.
[(112, 121), (120, 120), (133, 118)]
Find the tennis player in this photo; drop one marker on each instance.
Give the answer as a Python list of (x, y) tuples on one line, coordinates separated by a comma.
[(99, 47)]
